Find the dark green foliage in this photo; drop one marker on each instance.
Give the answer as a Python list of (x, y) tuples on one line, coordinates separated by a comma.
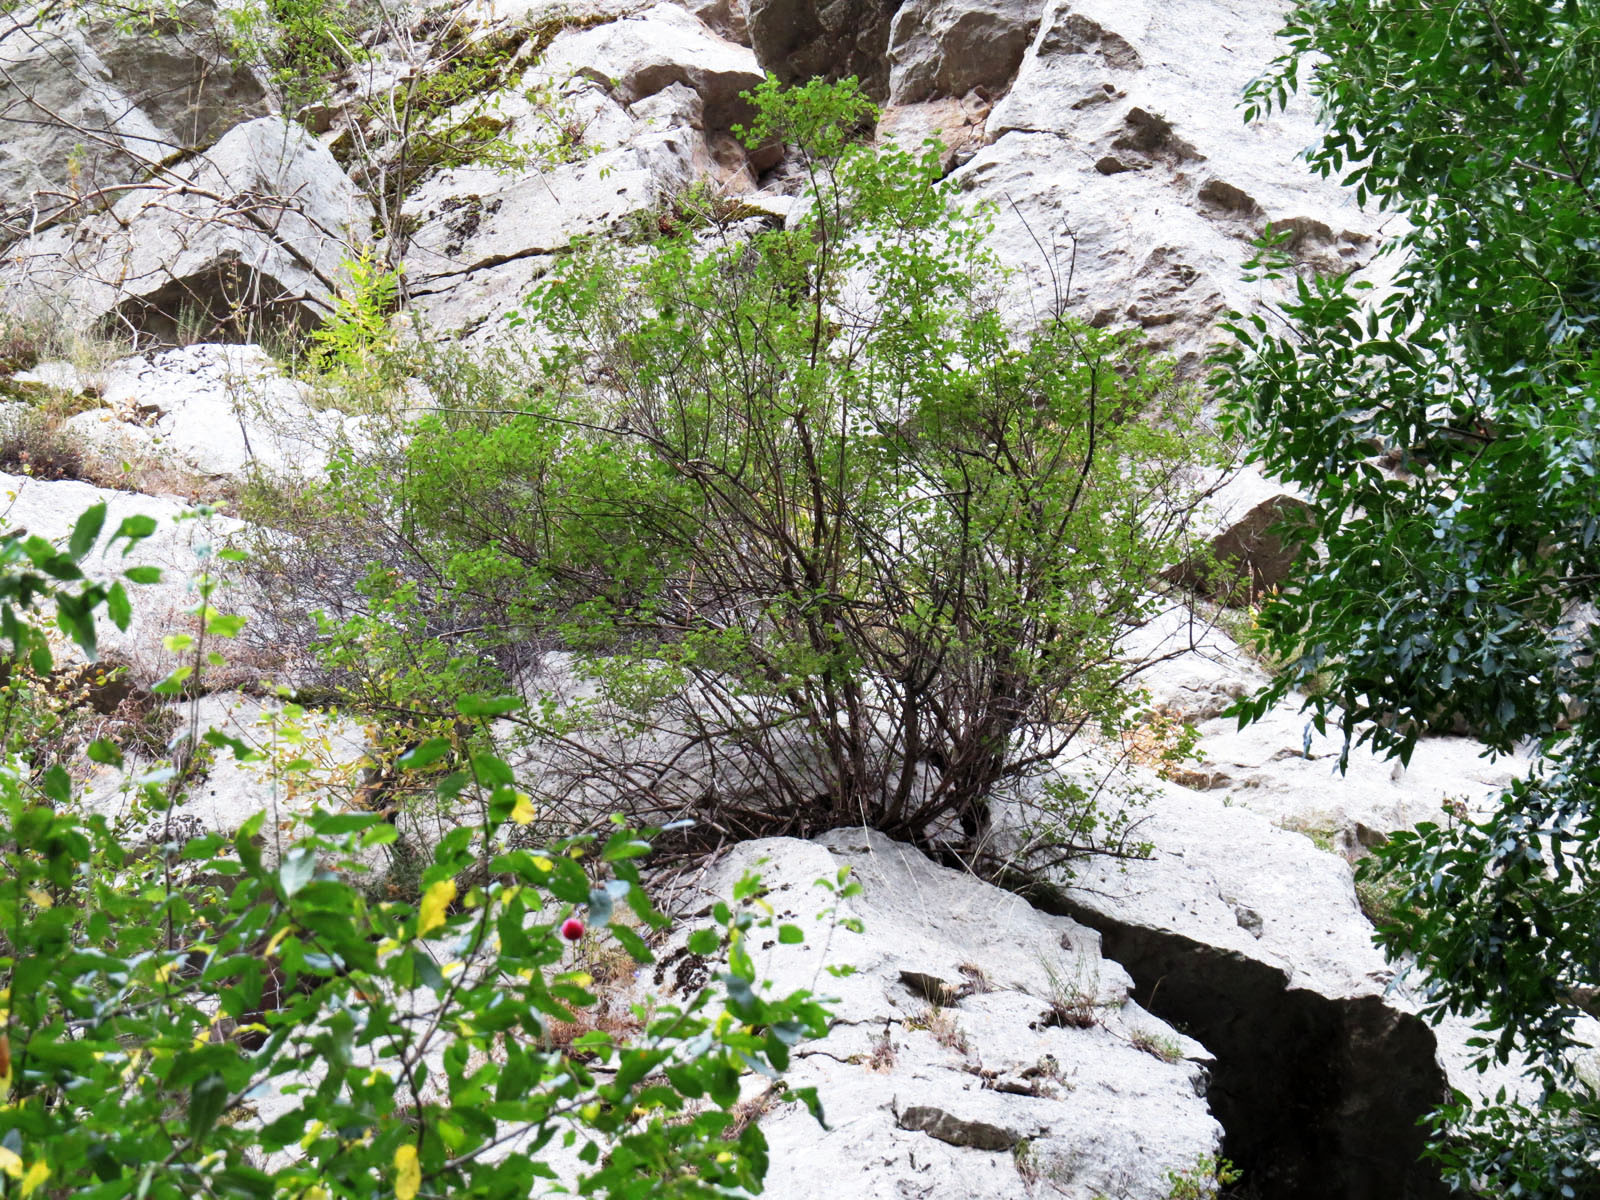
[(1448, 438)]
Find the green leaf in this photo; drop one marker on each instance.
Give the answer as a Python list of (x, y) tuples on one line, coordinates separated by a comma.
[(791, 935), (207, 1100), (57, 784), (143, 574), (297, 869), (134, 529), (424, 755), (225, 625), (87, 531), (704, 942), (489, 706), (118, 607), (172, 684)]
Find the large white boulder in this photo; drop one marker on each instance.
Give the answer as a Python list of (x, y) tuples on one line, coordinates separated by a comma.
[(944, 48), (1241, 525), (1251, 938), (184, 547), (946, 1071), (651, 97), (90, 103), (213, 411), (1128, 187), (256, 227)]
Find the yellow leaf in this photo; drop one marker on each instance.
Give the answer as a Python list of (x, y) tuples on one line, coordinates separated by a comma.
[(36, 1175), (543, 863), (313, 1132), (10, 1163), (407, 1171), (434, 903), (522, 812), (277, 940), (42, 899)]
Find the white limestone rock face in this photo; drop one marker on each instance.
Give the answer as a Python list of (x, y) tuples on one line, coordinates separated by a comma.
[(945, 48), (799, 39), (181, 547), (638, 56), (654, 95), (1284, 770), (1121, 150), (255, 227), (963, 1096), (1252, 938), (215, 411), (1238, 523), (84, 104)]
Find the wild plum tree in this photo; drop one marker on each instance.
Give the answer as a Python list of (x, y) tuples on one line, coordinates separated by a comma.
[(1446, 433), (835, 539)]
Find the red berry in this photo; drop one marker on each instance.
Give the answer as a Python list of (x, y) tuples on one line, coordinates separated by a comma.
[(572, 929)]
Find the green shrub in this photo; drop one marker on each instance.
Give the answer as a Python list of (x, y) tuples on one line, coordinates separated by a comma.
[(821, 526)]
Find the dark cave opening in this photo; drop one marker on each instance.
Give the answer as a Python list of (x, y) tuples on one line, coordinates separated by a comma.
[(1319, 1098)]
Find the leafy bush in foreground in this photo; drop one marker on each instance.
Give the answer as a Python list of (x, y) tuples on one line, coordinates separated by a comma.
[(235, 1016), (1447, 438)]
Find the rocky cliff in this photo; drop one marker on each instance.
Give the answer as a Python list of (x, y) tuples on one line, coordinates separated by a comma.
[(1217, 996)]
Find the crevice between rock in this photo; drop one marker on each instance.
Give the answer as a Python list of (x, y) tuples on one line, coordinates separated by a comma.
[(1319, 1098)]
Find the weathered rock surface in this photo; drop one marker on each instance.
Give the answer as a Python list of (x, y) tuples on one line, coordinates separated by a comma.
[(87, 105), (181, 546), (799, 39), (1283, 769), (940, 48), (1251, 938), (253, 231), (1244, 554), (215, 411), (1120, 150), (654, 95), (967, 1094)]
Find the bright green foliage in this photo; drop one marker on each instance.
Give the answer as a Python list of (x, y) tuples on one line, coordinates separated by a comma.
[(303, 45), (1454, 587), (357, 331), (32, 571), (809, 505), (236, 1016)]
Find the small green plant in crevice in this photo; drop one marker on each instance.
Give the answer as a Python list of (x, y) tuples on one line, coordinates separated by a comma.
[(945, 1029), (699, 206), (1157, 1045), (882, 1055), (1203, 1181), (1026, 1159), (357, 336), (302, 45), (1384, 896), (1074, 999)]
